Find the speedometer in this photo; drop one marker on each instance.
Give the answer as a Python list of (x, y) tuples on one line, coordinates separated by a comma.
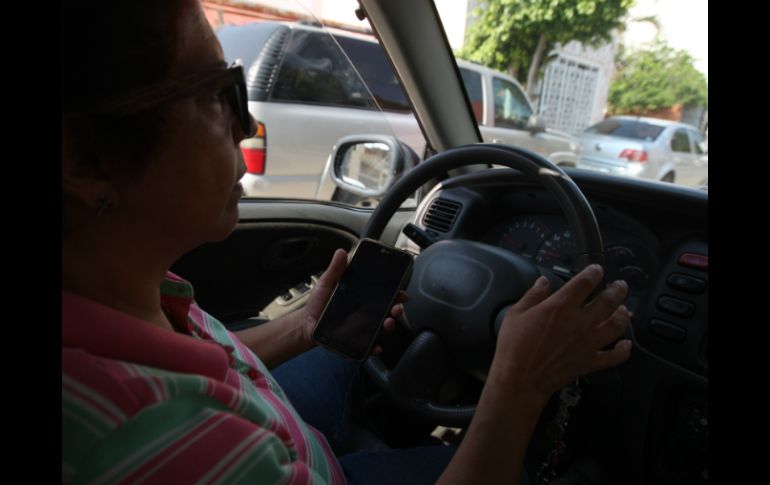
[(559, 253), (523, 236)]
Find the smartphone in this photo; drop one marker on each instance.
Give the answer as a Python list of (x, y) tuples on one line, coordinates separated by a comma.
[(353, 317)]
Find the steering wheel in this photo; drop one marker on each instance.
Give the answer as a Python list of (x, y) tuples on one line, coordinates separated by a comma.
[(460, 290)]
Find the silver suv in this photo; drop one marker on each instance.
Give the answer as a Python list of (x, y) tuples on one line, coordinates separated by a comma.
[(306, 95)]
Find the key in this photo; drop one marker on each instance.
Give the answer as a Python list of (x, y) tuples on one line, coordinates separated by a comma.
[(570, 395)]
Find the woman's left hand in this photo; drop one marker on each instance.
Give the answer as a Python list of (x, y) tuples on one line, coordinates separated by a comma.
[(320, 295)]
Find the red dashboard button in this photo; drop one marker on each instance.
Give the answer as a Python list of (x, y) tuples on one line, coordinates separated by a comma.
[(697, 261)]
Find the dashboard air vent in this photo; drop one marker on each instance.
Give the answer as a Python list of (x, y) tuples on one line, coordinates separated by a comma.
[(441, 215)]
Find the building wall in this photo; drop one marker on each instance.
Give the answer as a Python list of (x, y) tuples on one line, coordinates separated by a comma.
[(226, 13), (604, 58), (333, 13)]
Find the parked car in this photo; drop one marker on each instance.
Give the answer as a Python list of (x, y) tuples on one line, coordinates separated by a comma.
[(648, 148), (306, 95), (505, 115)]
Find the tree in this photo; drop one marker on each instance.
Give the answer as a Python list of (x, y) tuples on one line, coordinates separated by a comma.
[(514, 35), (656, 77)]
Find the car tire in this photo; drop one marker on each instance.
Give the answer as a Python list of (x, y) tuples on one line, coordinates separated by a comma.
[(669, 177)]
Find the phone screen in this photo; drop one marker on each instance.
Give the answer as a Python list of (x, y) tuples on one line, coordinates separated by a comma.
[(363, 299)]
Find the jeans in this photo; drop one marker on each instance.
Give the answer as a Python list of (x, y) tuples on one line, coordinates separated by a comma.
[(320, 385)]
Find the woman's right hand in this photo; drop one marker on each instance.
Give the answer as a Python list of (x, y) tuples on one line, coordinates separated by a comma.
[(548, 340)]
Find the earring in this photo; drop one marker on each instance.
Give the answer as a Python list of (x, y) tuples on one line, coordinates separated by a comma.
[(102, 204)]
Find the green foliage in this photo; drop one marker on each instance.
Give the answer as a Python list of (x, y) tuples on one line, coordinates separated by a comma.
[(657, 77), (505, 33)]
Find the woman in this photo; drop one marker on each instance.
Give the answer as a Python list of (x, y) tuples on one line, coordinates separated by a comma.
[(153, 388)]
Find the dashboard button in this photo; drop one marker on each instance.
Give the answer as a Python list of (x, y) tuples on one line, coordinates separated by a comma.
[(668, 331), (692, 260), (686, 283), (676, 306)]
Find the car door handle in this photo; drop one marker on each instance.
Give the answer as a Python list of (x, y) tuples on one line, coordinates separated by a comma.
[(287, 252)]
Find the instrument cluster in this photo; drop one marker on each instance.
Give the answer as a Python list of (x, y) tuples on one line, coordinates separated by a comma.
[(548, 241)]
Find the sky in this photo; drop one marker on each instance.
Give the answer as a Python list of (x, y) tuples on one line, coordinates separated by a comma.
[(684, 24)]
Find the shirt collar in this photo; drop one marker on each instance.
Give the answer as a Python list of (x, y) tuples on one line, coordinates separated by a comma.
[(106, 332)]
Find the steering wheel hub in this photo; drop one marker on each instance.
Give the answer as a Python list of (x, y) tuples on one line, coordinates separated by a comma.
[(456, 290)]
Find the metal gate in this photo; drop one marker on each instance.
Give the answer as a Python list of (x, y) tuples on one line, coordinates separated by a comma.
[(568, 93)]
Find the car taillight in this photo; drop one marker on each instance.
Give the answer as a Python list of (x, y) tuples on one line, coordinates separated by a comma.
[(634, 155), (254, 150)]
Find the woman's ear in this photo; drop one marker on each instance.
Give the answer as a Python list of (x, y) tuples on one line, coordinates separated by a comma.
[(83, 175)]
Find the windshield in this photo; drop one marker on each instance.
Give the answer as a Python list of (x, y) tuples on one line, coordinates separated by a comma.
[(581, 65)]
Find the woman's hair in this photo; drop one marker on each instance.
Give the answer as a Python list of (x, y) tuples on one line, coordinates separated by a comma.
[(110, 48)]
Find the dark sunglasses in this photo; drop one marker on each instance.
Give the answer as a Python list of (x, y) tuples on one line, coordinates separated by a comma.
[(230, 81)]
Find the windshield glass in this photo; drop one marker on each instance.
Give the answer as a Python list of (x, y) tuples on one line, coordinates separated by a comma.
[(581, 65)]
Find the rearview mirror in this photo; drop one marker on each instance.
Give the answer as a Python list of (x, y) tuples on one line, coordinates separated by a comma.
[(368, 165)]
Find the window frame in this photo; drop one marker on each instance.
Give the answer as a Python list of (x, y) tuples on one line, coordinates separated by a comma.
[(516, 124), (684, 131)]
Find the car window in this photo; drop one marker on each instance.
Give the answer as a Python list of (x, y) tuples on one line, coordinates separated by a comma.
[(697, 140), (511, 107), (315, 71), (636, 130), (680, 142), (376, 71), (337, 67), (473, 83)]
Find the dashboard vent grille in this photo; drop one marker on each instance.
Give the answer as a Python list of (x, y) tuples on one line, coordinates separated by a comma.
[(441, 215)]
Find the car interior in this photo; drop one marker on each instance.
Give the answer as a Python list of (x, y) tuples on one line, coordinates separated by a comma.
[(643, 422)]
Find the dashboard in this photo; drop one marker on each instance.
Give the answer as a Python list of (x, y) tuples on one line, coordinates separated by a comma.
[(650, 233), (655, 237), (547, 241)]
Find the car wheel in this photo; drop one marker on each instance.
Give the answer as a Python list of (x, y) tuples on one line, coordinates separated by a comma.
[(669, 177)]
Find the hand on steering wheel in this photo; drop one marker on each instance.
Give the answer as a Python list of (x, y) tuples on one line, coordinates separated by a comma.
[(459, 288)]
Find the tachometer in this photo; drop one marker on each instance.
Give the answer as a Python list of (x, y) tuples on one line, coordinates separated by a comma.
[(523, 236)]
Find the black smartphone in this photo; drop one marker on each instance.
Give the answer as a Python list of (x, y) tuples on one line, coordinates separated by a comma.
[(362, 300)]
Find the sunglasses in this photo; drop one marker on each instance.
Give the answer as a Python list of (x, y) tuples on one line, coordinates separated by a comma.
[(230, 81)]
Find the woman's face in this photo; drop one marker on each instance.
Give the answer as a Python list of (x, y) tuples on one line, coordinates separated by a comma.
[(189, 193)]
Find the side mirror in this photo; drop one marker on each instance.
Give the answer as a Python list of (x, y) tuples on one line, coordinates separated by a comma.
[(367, 165), (536, 124)]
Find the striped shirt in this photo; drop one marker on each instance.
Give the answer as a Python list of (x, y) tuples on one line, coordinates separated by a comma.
[(141, 403)]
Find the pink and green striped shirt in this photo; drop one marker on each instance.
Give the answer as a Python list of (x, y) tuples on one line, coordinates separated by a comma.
[(141, 403)]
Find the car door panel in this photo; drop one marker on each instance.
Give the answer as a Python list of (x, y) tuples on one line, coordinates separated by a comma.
[(276, 246)]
